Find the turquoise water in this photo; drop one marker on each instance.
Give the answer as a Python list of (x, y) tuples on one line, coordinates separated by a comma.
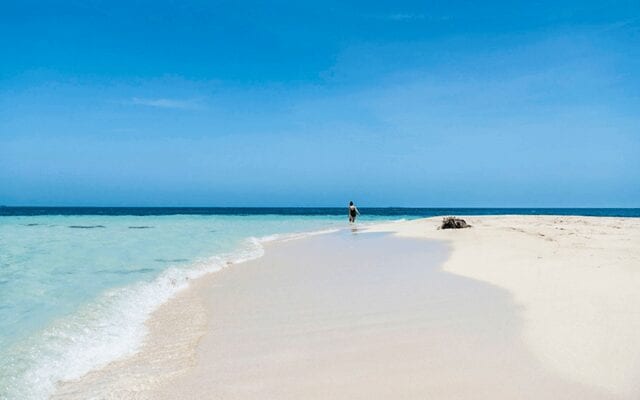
[(75, 290)]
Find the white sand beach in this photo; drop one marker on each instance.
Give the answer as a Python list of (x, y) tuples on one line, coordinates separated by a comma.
[(576, 281), (524, 307)]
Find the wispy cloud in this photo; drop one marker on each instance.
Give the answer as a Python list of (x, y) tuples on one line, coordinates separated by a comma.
[(628, 23), (165, 103), (404, 17), (407, 17)]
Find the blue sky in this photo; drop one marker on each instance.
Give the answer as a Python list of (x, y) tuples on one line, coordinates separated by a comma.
[(291, 103)]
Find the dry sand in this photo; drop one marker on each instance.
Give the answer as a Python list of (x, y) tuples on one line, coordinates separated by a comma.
[(513, 308)]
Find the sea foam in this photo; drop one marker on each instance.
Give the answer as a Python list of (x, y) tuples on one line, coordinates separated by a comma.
[(109, 328)]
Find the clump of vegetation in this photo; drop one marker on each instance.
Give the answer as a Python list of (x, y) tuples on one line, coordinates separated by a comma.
[(453, 223)]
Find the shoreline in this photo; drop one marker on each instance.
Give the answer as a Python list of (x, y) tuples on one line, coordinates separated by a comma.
[(146, 365), (185, 352)]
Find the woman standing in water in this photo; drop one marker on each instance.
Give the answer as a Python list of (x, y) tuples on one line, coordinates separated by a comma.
[(353, 212)]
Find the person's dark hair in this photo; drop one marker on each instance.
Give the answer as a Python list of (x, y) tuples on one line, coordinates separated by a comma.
[(351, 203)]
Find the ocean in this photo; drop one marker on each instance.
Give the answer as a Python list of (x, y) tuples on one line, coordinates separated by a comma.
[(77, 284)]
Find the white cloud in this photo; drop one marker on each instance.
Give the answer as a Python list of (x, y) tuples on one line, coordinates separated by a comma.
[(164, 103), (405, 16)]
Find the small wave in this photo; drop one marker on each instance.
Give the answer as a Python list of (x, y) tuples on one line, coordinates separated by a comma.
[(86, 226), (175, 260), (109, 328), (294, 236), (126, 271), (31, 224), (141, 227)]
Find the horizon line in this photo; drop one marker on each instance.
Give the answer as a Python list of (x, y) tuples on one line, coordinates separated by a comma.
[(312, 207)]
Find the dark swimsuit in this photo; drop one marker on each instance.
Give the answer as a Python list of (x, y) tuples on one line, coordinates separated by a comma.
[(352, 212)]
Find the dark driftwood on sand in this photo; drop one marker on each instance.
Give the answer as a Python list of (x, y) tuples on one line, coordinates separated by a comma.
[(453, 223)]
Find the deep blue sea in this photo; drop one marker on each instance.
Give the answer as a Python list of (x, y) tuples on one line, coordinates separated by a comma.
[(402, 212), (77, 284)]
